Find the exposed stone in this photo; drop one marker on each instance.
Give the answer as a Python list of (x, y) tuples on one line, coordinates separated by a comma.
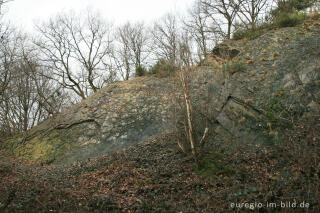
[(279, 85)]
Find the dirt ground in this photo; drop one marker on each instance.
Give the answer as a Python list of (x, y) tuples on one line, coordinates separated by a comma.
[(155, 176)]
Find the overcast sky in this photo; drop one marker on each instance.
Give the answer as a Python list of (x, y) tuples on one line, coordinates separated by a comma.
[(23, 13)]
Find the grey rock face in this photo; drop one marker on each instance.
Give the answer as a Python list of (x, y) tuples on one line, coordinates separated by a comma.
[(278, 85), (271, 82)]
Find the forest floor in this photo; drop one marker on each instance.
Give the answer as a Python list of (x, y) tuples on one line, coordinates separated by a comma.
[(155, 176)]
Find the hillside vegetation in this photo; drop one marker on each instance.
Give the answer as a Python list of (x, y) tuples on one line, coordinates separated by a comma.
[(261, 100)]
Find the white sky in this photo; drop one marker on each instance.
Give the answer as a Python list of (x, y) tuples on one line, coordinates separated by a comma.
[(23, 13)]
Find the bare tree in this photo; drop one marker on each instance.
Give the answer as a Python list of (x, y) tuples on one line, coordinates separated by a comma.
[(165, 39), (23, 100), (51, 97), (250, 11), (202, 29), (27, 94), (132, 48), (185, 54), (138, 38), (120, 64), (9, 47), (2, 2), (8, 53), (77, 50), (123, 57), (225, 9), (197, 26)]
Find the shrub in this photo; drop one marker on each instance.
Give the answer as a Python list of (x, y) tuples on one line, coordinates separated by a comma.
[(193, 115), (285, 15), (140, 71), (199, 124), (163, 68), (285, 19), (233, 66), (281, 19), (246, 33), (291, 5), (243, 32)]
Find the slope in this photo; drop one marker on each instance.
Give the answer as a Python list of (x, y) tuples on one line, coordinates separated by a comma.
[(263, 97)]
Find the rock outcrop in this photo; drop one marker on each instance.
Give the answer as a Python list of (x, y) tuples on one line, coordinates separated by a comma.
[(119, 115), (259, 90)]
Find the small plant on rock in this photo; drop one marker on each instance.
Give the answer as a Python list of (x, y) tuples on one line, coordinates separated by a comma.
[(285, 19), (233, 67), (140, 71)]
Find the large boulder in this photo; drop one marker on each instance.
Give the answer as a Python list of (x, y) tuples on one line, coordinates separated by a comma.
[(270, 84), (117, 116)]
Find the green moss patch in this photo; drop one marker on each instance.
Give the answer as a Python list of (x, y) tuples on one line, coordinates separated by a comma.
[(46, 148), (233, 67), (213, 165)]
